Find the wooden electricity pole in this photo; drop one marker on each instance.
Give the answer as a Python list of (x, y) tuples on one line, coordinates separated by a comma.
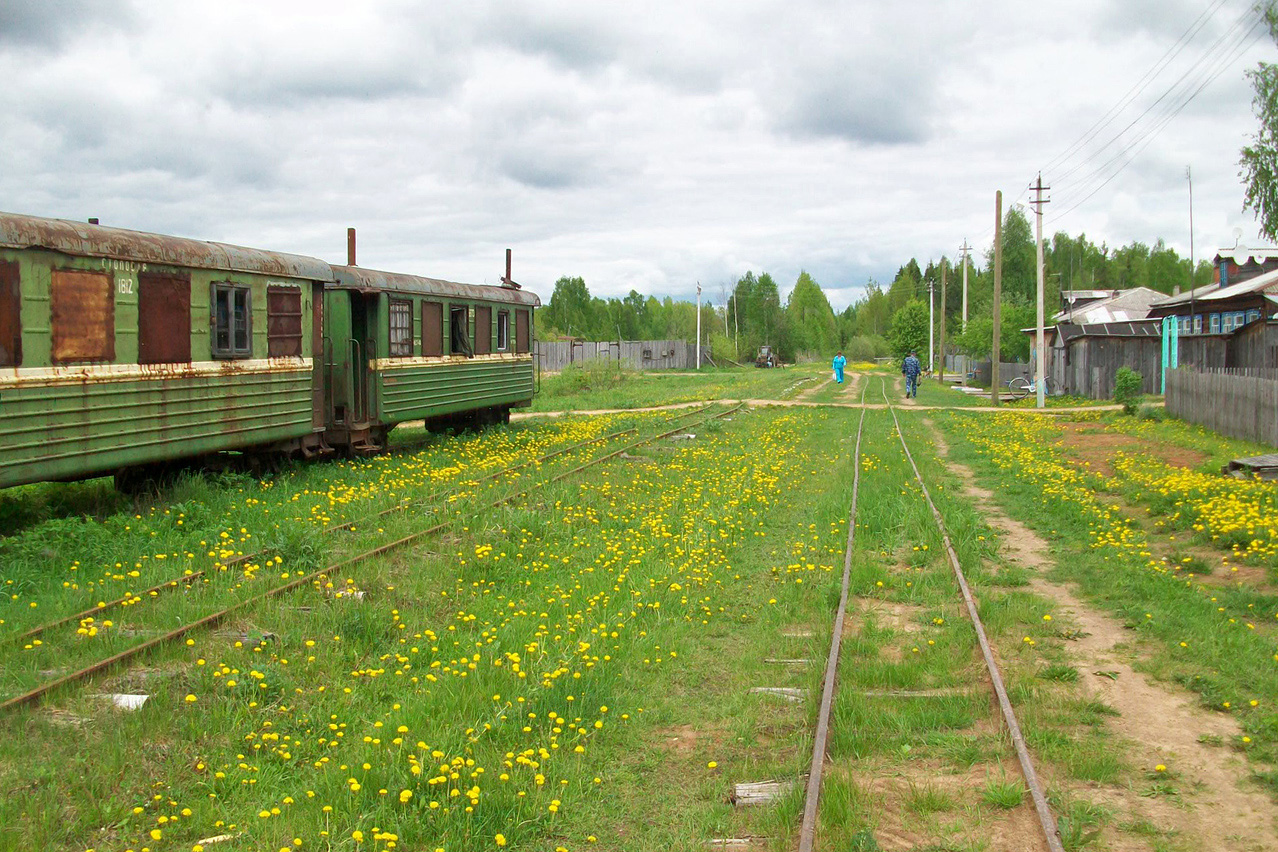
[(998, 292), (941, 370), (1040, 351)]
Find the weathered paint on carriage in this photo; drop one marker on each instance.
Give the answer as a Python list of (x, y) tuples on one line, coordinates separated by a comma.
[(417, 388), (76, 422), (64, 420)]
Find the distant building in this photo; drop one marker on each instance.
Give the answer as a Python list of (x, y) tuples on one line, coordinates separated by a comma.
[(1238, 264), (1101, 306), (1222, 306)]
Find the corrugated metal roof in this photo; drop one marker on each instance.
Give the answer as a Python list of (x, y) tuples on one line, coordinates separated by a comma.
[(1139, 328), (1214, 292), (80, 239), (359, 278), (1122, 305), (1242, 254)]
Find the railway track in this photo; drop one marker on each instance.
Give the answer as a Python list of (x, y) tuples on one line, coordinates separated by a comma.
[(33, 696), (807, 831), (430, 503)]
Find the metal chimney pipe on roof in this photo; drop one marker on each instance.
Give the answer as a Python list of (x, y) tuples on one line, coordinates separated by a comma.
[(350, 246), (508, 281)]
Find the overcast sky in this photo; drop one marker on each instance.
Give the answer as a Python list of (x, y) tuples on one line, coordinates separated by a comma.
[(643, 145)]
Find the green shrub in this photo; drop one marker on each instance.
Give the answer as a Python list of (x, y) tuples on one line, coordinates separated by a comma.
[(1127, 383)]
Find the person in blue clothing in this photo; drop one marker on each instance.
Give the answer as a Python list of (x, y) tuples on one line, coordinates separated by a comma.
[(839, 363), (911, 368)]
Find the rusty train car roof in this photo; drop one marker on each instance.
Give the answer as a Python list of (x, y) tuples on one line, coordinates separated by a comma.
[(359, 278), (81, 239)]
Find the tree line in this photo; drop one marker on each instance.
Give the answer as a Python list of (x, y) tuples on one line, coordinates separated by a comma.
[(887, 320)]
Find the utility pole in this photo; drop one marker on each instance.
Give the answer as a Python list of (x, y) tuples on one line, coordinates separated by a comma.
[(723, 294), (736, 328), (1190, 177), (931, 324), (998, 291), (698, 325), (941, 373), (1040, 359), (965, 248)]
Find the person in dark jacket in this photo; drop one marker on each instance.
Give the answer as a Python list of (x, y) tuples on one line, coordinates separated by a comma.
[(911, 368)]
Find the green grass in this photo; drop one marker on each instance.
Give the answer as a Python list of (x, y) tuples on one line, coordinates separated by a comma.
[(603, 385), (1190, 633), (1004, 793)]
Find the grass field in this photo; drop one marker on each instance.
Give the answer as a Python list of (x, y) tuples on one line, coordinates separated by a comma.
[(579, 668)]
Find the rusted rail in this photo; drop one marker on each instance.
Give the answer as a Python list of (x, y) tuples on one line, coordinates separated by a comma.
[(246, 557), (807, 832), (34, 695), (1048, 822)]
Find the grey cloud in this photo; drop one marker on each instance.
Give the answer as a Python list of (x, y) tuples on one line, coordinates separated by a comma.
[(32, 23), (870, 111)]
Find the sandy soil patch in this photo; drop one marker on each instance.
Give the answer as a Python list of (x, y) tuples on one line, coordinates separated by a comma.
[(1216, 807)]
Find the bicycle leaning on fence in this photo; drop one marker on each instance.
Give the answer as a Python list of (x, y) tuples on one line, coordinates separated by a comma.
[(1022, 387)]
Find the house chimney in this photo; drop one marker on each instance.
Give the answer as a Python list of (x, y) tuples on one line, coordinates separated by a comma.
[(507, 281), (93, 220), (350, 246), (1176, 290)]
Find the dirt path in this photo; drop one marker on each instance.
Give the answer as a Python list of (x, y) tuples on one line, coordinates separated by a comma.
[(762, 403), (1216, 810)]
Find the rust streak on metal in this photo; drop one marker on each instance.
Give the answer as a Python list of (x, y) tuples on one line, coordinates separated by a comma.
[(375, 281), (85, 240)]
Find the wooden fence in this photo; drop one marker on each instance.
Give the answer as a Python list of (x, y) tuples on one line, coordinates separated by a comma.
[(555, 355), (1227, 401)]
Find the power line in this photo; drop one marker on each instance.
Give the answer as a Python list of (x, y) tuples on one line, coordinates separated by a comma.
[(1163, 122), (1209, 60), (1140, 85)]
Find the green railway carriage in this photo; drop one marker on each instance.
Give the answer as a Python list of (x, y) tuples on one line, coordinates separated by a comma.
[(402, 347), (120, 348)]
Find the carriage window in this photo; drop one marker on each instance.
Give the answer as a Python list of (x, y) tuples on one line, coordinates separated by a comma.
[(503, 331), (10, 315), (83, 316), (401, 328), (283, 322), (459, 332), (432, 329), (164, 318), (232, 321)]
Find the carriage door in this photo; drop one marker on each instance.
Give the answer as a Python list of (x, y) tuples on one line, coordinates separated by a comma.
[(346, 358), (363, 347)]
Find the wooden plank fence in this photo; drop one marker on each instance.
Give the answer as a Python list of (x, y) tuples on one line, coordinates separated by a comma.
[(1230, 402), (555, 355)]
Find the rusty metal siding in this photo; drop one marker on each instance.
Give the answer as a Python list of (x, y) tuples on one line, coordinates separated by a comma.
[(83, 316), (79, 239), (359, 278), (432, 329), (319, 374), (522, 343), (483, 330), (417, 391), (88, 427), (10, 314), (283, 322), (164, 318)]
